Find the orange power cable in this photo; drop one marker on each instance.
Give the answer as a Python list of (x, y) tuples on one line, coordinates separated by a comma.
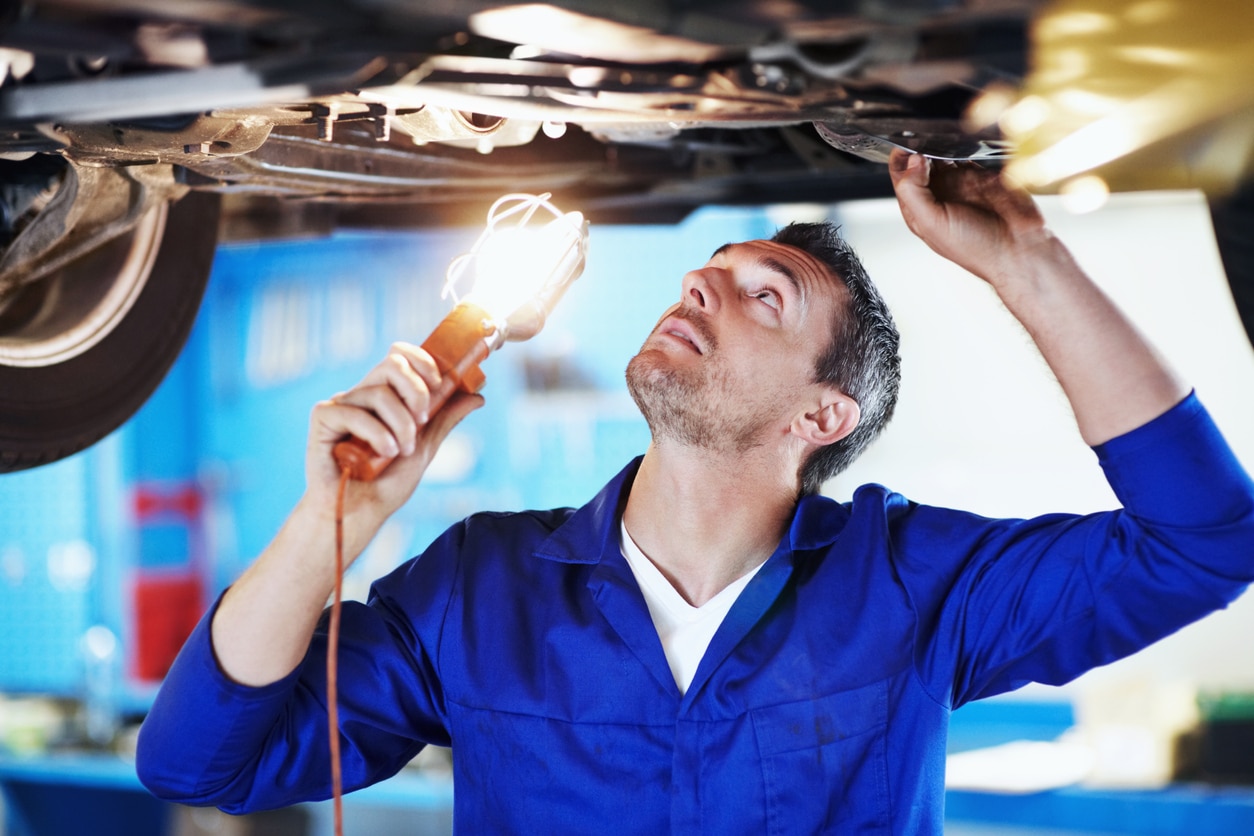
[(333, 646), (457, 345)]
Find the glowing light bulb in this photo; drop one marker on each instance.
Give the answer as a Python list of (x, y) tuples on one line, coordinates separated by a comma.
[(516, 264), (521, 268)]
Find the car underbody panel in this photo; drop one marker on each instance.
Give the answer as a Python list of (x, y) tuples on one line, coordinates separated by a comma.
[(708, 98)]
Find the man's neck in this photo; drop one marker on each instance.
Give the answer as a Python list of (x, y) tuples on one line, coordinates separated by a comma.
[(704, 519)]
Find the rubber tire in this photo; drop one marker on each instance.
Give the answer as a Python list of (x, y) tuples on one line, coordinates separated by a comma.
[(52, 412), (1233, 220)]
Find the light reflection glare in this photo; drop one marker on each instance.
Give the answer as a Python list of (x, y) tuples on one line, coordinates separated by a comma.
[(1082, 195), (1072, 24), (1028, 115)]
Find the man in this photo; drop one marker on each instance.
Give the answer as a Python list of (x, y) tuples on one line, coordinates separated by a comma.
[(709, 646)]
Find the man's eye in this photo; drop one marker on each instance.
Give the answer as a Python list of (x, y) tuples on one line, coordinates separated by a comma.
[(768, 296)]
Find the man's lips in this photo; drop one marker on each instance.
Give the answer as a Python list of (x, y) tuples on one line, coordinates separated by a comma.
[(681, 330)]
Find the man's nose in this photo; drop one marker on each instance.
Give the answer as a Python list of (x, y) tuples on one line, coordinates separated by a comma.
[(701, 288)]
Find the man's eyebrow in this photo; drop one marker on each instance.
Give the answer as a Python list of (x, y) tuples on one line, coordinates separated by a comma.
[(770, 263), (777, 266)]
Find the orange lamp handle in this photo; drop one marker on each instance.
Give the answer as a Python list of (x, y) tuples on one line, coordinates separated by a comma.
[(458, 345)]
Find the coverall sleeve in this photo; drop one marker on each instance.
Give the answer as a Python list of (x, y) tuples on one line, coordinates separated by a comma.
[(1046, 599), (211, 741)]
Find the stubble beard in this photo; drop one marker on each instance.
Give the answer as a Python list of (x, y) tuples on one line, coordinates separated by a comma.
[(690, 406)]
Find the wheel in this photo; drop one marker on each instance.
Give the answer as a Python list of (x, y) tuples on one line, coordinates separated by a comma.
[(82, 349)]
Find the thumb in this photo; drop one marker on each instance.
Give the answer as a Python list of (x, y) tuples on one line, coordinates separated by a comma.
[(911, 175), (906, 168), (457, 408)]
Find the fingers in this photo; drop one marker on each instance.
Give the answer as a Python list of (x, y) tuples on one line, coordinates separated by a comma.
[(911, 175), (411, 373), (906, 167), (938, 197), (334, 420), (912, 180), (378, 416), (409, 470), (922, 182), (388, 409), (918, 177)]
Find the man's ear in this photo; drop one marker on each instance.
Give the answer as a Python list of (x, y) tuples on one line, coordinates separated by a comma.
[(834, 417)]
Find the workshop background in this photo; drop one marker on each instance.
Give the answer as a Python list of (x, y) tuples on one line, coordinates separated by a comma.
[(108, 558)]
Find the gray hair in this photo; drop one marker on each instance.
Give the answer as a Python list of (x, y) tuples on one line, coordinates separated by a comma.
[(861, 359)]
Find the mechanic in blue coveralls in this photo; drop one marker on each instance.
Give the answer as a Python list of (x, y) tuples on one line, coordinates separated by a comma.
[(709, 645)]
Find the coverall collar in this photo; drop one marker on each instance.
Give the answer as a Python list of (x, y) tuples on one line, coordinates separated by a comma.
[(815, 524)]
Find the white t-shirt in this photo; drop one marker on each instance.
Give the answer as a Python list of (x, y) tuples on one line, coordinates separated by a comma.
[(685, 630)]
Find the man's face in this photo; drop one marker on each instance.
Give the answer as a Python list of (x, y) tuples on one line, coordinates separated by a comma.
[(727, 367)]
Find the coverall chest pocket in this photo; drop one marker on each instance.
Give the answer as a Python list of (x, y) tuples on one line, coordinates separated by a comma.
[(824, 762)]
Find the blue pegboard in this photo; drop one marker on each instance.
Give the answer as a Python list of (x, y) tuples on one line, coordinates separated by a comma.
[(49, 559)]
